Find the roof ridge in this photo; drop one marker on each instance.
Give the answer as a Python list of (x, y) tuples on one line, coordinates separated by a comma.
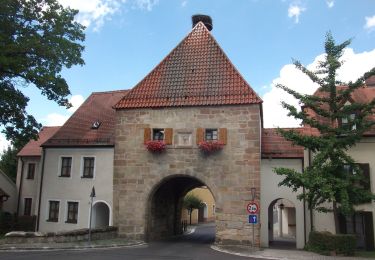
[(109, 92)]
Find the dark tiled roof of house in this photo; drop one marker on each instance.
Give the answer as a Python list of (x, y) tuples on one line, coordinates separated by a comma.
[(196, 73), (78, 130), (370, 81), (275, 146), (32, 148)]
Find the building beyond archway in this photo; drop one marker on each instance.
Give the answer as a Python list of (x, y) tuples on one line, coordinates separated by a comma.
[(282, 224), (101, 215)]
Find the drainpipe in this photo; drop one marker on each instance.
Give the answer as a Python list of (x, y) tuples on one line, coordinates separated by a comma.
[(311, 211), (40, 188), (20, 188), (304, 205)]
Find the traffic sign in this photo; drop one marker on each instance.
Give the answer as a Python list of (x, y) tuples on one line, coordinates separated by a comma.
[(253, 219), (252, 208)]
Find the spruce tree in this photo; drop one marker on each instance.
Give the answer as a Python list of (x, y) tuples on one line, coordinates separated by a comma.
[(333, 181)]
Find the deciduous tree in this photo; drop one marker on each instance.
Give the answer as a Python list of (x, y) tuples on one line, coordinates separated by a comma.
[(333, 181), (38, 38)]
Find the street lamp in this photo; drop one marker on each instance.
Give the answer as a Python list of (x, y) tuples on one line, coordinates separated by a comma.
[(92, 196)]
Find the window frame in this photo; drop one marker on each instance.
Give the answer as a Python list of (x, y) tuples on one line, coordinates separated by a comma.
[(71, 221), (60, 169), (83, 158), (158, 130), (30, 176), (211, 131), (27, 211), (49, 219)]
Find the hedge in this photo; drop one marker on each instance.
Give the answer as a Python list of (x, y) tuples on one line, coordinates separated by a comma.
[(327, 243)]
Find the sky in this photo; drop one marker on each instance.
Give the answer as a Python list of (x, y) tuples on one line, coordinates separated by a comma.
[(126, 39)]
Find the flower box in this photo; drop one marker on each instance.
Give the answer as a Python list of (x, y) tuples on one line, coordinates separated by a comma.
[(209, 147), (156, 146)]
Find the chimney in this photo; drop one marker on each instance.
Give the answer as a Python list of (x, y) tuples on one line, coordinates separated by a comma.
[(207, 21), (370, 82)]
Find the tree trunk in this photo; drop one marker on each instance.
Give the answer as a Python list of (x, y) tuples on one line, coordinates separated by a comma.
[(191, 213), (336, 218)]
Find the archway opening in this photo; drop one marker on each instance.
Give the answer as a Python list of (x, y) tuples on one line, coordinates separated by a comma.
[(100, 215), (166, 214), (282, 224)]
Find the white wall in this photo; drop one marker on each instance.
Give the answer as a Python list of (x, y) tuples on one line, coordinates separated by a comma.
[(270, 191), (29, 186), (363, 152), (9, 187), (75, 188)]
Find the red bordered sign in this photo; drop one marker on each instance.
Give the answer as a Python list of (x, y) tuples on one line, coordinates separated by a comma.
[(252, 208)]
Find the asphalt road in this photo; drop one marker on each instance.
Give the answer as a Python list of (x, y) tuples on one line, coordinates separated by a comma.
[(194, 246)]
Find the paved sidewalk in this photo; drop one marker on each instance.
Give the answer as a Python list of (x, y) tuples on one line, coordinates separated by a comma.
[(117, 242), (277, 254)]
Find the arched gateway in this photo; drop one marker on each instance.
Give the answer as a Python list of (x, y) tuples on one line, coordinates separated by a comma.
[(192, 121)]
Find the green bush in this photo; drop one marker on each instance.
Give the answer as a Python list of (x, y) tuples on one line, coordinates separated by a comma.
[(327, 243)]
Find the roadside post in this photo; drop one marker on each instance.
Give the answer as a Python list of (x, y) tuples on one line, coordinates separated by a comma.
[(253, 209), (92, 195)]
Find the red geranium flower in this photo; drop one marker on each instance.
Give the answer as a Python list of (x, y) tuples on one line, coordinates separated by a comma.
[(156, 146), (210, 146)]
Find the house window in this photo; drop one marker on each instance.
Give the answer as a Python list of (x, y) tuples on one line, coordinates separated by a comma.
[(31, 171), (158, 134), (365, 182), (88, 167), (347, 122), (53, 214), (27, 207), (72, 215), (66, 166), (211, 135)]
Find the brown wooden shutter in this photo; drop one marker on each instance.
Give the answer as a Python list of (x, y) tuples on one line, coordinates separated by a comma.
[(365, 167), (168, 135), (200, 135), (147, 135), (223, 135)]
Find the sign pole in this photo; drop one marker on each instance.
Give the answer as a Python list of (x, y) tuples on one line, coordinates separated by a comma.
[(92, 195)]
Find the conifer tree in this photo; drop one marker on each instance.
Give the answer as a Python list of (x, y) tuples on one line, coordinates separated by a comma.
[(333, 181)]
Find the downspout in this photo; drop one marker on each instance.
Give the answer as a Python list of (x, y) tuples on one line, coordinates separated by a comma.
[(311, 211), (40, 188), (20, 188), (304, 204)]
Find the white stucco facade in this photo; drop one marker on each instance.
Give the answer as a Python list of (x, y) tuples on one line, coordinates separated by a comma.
[(75, 188), (271, 192)]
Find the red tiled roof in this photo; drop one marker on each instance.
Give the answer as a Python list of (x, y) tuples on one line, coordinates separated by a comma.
[(275, 146), (196, 73), (77, 131), (362, 95), (32, 148)]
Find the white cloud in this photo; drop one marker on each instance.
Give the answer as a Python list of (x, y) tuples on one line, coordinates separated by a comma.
[(330, 3), (93, 12), (184, 3), (4, 143), (274, 115), (295, 11), (145, 4), (370, 22), (76, 101), (56, 119)]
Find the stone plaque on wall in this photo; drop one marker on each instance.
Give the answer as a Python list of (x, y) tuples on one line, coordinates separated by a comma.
[(185, 139)]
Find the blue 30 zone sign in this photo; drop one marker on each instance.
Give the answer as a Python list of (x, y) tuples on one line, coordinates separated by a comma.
[(253, 219)]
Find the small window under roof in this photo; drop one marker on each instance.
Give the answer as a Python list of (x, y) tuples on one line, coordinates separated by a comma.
[(96, 124)]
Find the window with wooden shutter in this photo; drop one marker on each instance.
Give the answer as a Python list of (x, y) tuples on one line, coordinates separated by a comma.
[(200, 135), (223, 135), (147, 135), (168, 132)]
